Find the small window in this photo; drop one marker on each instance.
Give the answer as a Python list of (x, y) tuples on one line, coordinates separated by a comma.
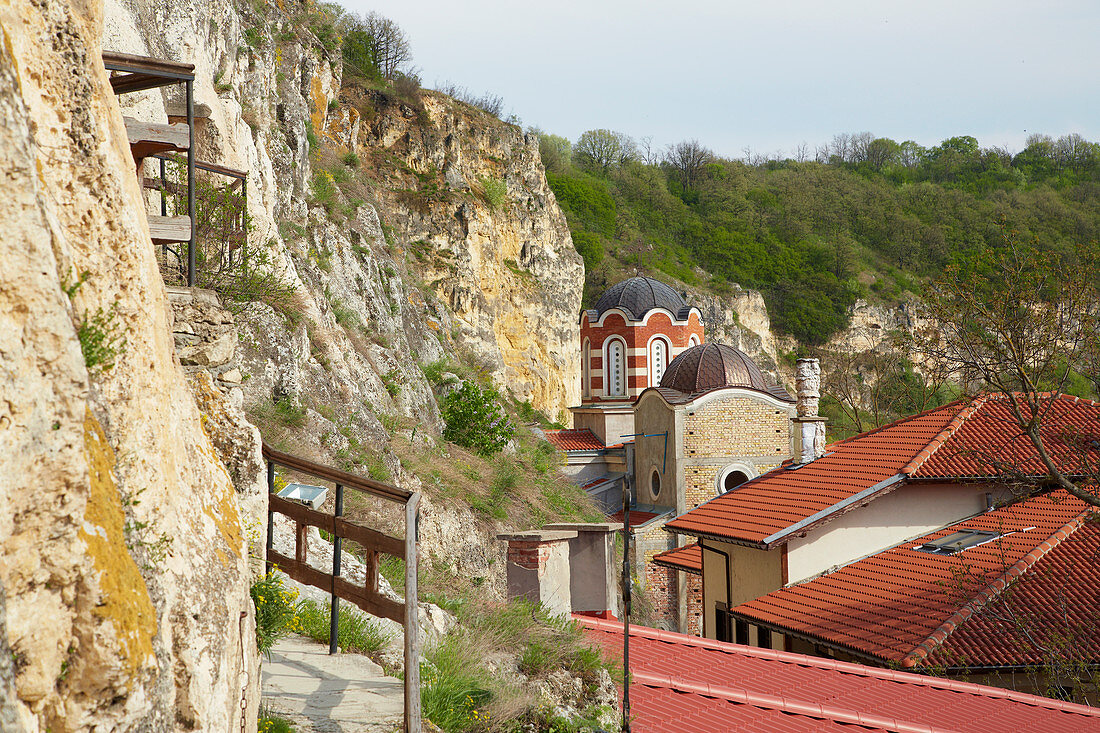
[(615, 369), (956, 542), (742, 632), (655, 483), (763, 638), (732, 480)]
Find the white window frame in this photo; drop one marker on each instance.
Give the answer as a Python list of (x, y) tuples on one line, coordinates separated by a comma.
[(651, 358), (609, 368)]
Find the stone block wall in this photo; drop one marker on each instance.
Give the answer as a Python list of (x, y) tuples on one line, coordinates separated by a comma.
[(205, 335)]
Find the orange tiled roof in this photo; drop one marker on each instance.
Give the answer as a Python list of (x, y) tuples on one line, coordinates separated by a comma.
[(691, 685), (901, 604), (688, 558), (567, 440), (961, 440)]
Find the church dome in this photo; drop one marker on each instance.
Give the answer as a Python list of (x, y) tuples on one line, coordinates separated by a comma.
[(714, 366), (639, 295)]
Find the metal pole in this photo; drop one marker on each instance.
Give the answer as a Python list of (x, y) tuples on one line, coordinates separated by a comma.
[(412, 617), (163, 187), (191, 181), (627, 592), (270, 516), (337, 541)]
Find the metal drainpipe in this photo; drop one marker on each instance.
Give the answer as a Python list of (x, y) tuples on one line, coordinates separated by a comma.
[(191, 181), (270, 516), (334, 608), (627, 593), (729, 585)]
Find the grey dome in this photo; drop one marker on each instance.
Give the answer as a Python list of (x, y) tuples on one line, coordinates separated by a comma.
[(714, 366), (639, 295)]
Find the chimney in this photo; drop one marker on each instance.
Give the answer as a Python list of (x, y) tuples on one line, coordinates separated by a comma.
[(809, 433), (538, 568), (565, 567)]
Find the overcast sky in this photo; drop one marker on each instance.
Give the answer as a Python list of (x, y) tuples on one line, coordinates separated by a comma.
[(770, 74)]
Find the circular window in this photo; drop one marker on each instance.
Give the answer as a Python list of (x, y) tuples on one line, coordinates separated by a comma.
[(732, 476), (655, 483), (732, 480)]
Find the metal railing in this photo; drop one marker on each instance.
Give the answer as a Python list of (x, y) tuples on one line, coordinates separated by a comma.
[(374, 543), (233, 240)]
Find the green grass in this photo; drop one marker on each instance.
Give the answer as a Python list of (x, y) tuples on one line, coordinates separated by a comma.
[(459, 693), (355, 633), (270, 722)]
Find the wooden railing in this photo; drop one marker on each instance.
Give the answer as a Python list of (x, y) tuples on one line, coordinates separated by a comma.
[(372, 542)]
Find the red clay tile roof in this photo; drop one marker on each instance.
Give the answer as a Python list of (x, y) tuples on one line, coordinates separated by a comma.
[(901, 604), (574, 440), (961, 440), (692, 685), (688, 558)]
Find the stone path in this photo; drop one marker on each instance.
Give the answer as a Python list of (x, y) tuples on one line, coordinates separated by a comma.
[(342, 693)]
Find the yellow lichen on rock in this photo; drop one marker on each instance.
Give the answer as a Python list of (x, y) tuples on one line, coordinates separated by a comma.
[(125, 599)]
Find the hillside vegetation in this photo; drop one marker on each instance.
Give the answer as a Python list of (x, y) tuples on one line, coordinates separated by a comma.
[(865, 216)]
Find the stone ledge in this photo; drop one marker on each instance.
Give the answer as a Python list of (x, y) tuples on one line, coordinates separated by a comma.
[(586, 526), (538, 535)]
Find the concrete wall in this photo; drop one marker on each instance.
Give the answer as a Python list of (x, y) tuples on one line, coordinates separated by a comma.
[(910, 511), (652, 415), (752, 574), (609, 423)]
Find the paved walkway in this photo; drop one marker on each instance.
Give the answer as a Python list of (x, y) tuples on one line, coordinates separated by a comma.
[(342, 693)]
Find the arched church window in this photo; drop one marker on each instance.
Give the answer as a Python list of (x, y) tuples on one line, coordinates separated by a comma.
[(615, 372), (693, 341), (658, 360), (586, 376)]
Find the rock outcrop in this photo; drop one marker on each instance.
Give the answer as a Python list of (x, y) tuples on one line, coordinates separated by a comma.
[(124, 571)]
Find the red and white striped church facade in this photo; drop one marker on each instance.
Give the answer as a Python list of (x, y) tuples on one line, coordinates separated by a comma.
[(627, 341)]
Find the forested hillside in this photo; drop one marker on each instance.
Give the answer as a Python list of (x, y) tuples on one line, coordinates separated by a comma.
[(862, 216)]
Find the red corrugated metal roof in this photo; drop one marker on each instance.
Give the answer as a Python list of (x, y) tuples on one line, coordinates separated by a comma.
[(637, 516), (957, 441), (567, 440), (688, 558), (901, 604), (691, 685)]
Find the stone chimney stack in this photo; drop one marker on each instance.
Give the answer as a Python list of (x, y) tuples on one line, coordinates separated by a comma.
[(809, 433)]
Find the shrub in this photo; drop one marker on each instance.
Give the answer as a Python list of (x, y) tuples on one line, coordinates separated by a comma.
[(494, 191), (351, 160), (100, 339), (475, 420), (275, 611)]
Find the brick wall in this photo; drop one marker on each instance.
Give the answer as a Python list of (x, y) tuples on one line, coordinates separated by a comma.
[(528, 555), (731, 427)]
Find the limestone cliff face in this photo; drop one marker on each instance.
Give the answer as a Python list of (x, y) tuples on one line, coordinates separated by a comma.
[(124, 571), (407, 265), (507, 269)]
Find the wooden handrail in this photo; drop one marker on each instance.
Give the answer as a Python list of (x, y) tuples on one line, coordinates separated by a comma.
[(349, 480)]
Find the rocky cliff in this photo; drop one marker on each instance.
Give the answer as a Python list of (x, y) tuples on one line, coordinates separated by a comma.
[(412, 228), (124, 569)]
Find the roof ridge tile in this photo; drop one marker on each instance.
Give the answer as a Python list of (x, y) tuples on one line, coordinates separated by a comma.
[(933, 445)]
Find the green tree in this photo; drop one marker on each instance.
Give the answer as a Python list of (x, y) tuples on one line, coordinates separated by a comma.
[(1020, 322), (598, 151)]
